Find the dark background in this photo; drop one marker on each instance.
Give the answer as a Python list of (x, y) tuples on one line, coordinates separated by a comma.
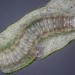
[(59, 63)]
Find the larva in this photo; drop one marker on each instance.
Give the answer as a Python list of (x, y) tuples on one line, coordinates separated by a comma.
[(37, 34)]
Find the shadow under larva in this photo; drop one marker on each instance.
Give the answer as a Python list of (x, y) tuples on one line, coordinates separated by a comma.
[(37, 34)]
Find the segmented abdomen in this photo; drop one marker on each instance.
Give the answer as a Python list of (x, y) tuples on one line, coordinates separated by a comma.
[(57, 23)]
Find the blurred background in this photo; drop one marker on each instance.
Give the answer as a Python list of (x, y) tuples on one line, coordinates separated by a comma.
[(59, 63)]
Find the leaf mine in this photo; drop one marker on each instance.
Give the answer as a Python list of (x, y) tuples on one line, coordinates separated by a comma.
[(37, 34)]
